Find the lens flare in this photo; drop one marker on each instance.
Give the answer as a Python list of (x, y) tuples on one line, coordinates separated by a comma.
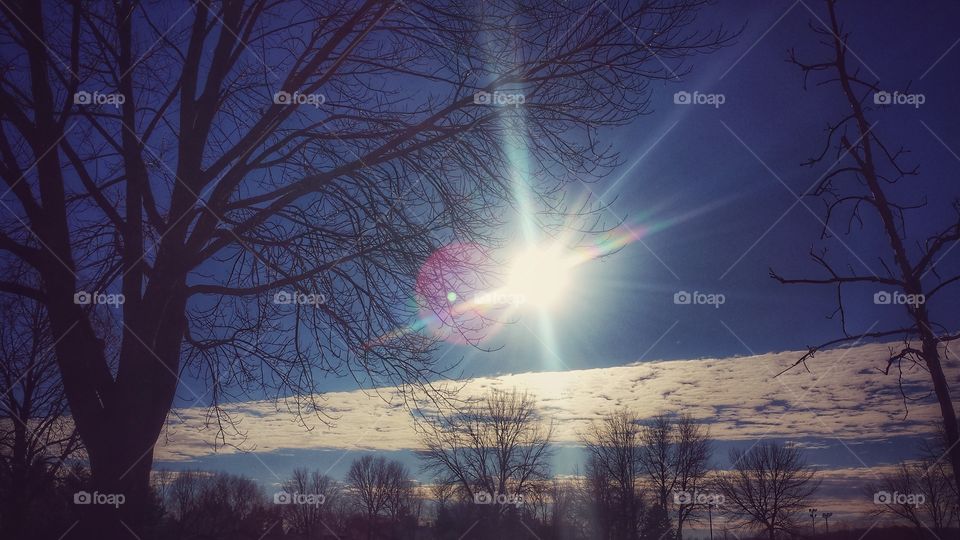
[(464, 296)]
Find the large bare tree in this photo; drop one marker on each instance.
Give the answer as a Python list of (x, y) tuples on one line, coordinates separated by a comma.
[(675, 459), (380, 487), (767, 487), (859, 190), (614, 474), (261, 181), (917, 493), (496, 445), (312, 500)]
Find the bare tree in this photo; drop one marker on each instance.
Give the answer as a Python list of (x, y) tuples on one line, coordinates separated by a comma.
[(217, 506), (597, 502), (858, 189), (497, 445), (36, 435), (561, 495), (443, 492), (180, 498), (201, 159), (933, 451), (381, 488), (311, 496), (614, 449), (767, 486), (674, 459), (402, 501), (368, 483), (919, 492)]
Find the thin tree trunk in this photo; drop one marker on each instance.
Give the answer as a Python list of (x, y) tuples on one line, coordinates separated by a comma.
[(931, 354)]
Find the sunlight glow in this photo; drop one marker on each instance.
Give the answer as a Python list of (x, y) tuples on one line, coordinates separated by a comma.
[(540, 277)]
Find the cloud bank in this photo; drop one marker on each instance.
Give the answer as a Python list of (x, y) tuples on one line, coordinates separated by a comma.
[(844, 395)]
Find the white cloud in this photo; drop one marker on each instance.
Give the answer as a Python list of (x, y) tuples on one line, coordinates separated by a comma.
[(844, 395)]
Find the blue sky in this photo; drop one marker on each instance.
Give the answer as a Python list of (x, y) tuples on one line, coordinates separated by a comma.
[(688, 161), (715, 189), (715, 186)]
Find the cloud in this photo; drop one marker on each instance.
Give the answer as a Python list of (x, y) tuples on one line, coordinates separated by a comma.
[(843, 395)]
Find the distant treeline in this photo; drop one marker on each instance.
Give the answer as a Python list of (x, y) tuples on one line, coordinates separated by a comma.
[(489, 465)]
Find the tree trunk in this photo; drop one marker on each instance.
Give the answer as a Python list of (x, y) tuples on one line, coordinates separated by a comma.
[(120, 442), (120, 470), (912, 282), (931, 355)]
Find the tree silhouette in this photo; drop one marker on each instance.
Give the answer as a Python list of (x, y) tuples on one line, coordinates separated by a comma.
[(312, 516), (202, 504), (261, 182), (380, 488), (860, 191), (920, 492), (614, 449), (36, 436), (494, 450), (675, 458), (767, 486)]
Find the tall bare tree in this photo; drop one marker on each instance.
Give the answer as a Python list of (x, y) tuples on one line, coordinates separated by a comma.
[(496, 445), (561, 496), (614, 474), (767, 487), (675, 458), (381, 487), (310, 512), (858, 189), (200, 158), (917, 494), (920, 492)]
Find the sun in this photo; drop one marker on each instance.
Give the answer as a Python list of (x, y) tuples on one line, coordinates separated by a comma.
[(540, 276)]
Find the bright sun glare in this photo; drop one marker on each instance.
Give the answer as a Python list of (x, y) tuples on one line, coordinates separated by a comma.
[(540, 276)]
